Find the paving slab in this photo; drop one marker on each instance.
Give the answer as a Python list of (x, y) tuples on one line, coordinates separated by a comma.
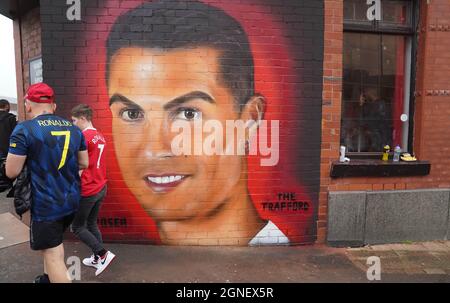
[(434, 271), (12, 231), (414, 260), (435, 246)]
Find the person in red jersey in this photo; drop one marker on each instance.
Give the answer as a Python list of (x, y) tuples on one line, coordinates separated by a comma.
[(93, 191)]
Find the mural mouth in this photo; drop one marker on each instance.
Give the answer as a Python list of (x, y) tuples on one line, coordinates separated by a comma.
[(164, 183)]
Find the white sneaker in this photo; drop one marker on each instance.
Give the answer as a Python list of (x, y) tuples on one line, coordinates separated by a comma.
[(90, 261), (103, 263)]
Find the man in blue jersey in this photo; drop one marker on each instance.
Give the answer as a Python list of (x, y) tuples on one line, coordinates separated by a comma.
[(54, 151)]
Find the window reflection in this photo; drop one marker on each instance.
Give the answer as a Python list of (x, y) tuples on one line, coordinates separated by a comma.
[(396, 12), (373, 96), (392, 12)]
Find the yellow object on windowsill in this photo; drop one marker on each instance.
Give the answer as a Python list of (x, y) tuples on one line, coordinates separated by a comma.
[(386, 150), (407, 157)]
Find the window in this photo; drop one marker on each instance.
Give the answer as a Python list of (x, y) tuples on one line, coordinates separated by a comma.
[(395, 15), (377, 76)]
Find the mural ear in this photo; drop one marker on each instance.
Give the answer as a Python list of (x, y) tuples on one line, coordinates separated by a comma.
[(253, 113)]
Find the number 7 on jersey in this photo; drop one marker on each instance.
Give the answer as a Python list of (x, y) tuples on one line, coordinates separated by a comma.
[(65, 133), (101, 147)]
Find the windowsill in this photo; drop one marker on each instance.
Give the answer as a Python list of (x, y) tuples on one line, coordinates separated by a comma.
[(378, 168)]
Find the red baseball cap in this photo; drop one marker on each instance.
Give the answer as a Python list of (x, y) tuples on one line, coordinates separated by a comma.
[(40, 93)]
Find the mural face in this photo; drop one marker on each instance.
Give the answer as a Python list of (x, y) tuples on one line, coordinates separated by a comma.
[(212, 117), (199, 192)]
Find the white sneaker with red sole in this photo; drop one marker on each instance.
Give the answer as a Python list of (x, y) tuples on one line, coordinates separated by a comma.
[(90, 261), (103, 263)]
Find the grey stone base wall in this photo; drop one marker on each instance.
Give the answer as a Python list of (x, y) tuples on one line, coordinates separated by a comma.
[(378, 217)]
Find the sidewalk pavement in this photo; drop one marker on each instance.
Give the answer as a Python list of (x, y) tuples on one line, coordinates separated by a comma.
[(431, 258), (421, 262)]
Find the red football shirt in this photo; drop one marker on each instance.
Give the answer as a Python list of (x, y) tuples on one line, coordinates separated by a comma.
[(93, 178)]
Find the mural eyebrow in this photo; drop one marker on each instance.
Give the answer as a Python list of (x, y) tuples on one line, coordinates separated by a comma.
[(120, 98), (188, 97)]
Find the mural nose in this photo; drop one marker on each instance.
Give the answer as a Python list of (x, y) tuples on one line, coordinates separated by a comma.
[(157, 144)]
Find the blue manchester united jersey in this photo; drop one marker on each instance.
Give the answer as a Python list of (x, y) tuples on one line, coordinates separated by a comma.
[(51, 145)]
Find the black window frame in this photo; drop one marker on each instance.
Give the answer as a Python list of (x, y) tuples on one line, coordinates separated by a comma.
[(373, 27)]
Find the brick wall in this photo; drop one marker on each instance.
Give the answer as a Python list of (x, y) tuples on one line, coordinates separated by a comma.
[(432, 119), (28, 45), (432, 106), (331, 104)]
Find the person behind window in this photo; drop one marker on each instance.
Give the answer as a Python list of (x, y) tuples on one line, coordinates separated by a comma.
[(375, 125)]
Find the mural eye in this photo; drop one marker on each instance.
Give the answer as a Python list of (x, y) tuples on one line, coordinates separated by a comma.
[(131, 114), (188, 114)]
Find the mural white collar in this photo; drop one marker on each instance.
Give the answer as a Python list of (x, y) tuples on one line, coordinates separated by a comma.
[(270, 234)]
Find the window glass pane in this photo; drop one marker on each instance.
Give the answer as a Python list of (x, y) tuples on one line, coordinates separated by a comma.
[(396, 12), (355, 10), (393, 78), (373, 91), (393, 13)]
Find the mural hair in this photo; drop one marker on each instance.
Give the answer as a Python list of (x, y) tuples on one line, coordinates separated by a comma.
[(169, 25)]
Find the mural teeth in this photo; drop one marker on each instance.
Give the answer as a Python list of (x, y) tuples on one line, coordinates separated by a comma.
[(166, 179), (157, 180)]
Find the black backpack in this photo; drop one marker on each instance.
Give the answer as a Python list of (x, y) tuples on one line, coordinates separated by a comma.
[(22, 192)]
